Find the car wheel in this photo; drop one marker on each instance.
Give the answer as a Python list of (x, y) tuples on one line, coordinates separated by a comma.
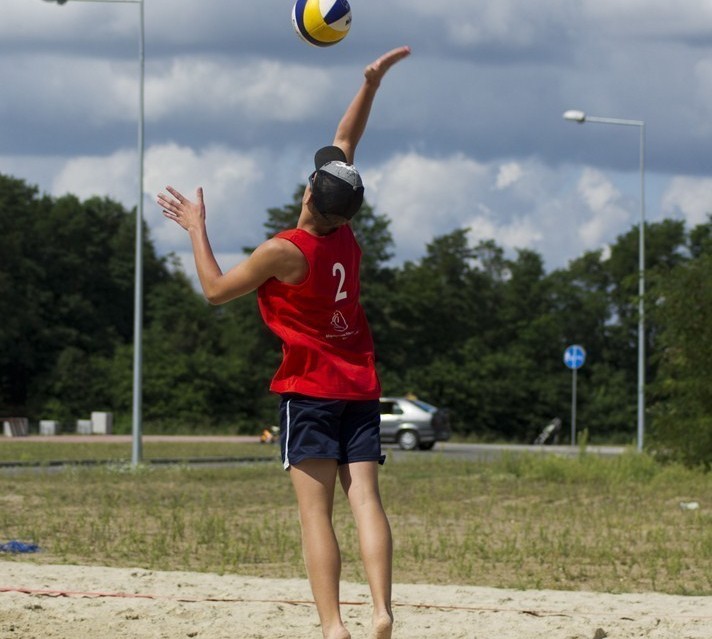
[(427, 446), (408, 440)]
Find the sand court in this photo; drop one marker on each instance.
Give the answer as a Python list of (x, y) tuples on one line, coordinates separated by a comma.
[(90, 602)]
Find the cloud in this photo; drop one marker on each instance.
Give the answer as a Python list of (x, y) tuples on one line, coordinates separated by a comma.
[(235, 186), (689, 198), (646, 18), (517, 204), (509, 173), (115, 176), (604, 204), (520, 233), (88, 91), (24, 21), (504, 23), (467, 131), (256, 90), (423, 196)]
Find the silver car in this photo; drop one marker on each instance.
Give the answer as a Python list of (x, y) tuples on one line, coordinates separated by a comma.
[(412, 423)]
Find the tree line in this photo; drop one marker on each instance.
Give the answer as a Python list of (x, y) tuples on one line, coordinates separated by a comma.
[(465, 327)]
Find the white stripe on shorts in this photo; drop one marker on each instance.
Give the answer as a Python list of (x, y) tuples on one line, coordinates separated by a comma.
[(286, 439)]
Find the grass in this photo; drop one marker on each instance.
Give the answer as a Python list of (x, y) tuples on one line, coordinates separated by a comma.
[(39, 452), (525, 521)]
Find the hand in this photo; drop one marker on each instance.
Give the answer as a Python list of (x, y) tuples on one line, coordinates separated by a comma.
[(190, 215), (376, 70)]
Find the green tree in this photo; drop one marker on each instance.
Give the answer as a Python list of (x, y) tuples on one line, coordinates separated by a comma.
[(21, 293), (428, 308), (682, 428), (700, 239), (465, 327), (582, 313), (86, 295)]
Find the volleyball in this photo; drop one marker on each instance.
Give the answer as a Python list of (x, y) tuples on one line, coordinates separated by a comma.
[(321, 22)]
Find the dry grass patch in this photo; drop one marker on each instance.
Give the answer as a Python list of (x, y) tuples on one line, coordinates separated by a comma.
[(524, 522)]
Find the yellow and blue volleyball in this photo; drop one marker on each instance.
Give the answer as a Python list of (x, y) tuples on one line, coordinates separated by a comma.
[(321, 22)]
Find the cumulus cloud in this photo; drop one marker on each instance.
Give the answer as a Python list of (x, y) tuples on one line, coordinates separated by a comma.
[(115, 176), (239, 187), (604, 204), (508, 174), (100, 91), (519, 233), (427, 197), (257, 90), (235, 185), (423, 196), (689, 198), (467, 132)]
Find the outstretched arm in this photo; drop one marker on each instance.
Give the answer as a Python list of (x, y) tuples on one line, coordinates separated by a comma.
[(353, 122), (273, 258)]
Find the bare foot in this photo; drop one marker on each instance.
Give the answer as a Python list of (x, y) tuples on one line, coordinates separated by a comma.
[(382, 627), (340, 633)]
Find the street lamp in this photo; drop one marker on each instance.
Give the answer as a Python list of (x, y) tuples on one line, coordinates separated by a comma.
[(581, 117), (136, 448)]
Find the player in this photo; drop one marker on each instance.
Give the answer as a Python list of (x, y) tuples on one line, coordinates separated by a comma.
[(307, 282)]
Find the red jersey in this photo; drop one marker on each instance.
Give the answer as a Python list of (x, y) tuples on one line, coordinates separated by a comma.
[(326, 342)]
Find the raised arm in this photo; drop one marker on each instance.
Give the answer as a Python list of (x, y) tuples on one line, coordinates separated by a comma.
[(273, 258), (353, 122)]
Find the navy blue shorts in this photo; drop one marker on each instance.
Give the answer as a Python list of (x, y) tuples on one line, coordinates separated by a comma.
[(348, 431)]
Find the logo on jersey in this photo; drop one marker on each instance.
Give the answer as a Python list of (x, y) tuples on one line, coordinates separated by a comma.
[(338, 322)]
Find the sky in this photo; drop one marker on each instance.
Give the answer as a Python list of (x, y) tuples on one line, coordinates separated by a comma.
[(465, 133)]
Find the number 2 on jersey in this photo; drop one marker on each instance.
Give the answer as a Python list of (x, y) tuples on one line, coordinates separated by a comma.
[(339, 270)]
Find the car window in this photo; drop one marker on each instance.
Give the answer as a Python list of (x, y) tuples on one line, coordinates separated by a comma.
[(424, 405), (391, 408)]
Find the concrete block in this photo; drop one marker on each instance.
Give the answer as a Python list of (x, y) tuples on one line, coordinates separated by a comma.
[(15, 427), (84, 427), (49, 427), (102, 423)]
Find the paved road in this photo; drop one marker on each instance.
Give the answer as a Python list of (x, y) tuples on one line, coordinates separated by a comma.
[(484, 452), (473, 452)]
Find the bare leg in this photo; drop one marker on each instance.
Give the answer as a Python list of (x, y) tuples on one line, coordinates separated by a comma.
[(314, 482), (360, 482)]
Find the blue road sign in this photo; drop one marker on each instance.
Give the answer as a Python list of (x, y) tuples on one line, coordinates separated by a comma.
[(574, 356)]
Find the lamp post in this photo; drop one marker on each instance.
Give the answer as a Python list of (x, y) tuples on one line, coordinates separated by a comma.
[(581, 117), (136, 428)]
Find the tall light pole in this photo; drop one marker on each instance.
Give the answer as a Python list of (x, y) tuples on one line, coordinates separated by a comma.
[(581, 117), (136, 428)]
